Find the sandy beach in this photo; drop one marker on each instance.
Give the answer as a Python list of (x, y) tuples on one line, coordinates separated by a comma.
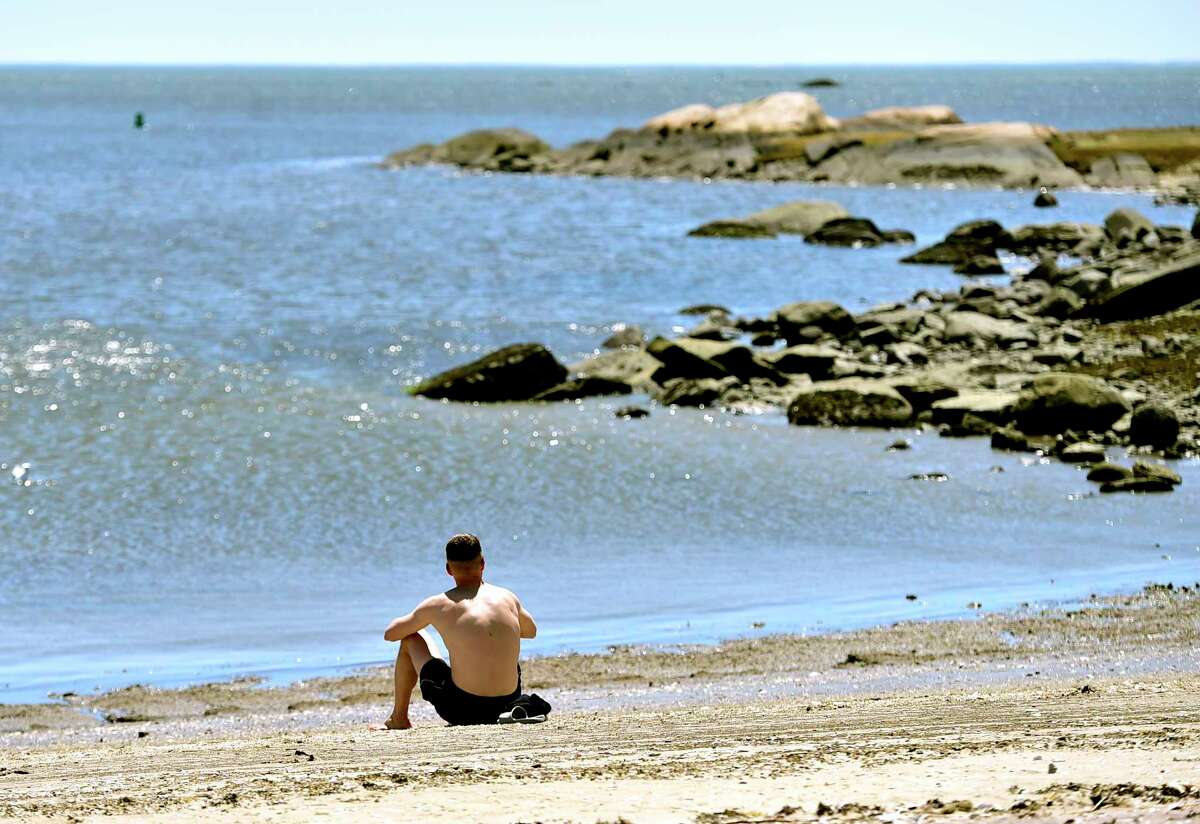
[(1084, 712)]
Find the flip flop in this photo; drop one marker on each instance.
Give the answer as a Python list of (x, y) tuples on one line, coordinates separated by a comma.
[(519, 715)]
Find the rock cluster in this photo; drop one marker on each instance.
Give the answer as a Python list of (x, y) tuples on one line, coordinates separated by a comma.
[(1029, 364), (788, 137)]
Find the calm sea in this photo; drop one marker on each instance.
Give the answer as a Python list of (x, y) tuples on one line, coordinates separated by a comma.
[(206, 328)]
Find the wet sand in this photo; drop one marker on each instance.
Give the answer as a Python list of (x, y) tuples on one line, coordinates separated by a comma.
[(959, 718)]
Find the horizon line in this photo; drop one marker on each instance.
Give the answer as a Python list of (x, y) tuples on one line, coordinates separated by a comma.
[(69, 64)]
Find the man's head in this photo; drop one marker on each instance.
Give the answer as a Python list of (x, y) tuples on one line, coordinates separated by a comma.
[(464, 557)]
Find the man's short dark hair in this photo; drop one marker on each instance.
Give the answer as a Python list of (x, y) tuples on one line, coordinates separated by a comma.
[(463, 547)]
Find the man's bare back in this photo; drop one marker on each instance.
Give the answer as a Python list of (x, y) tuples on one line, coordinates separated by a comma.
[(482, 626)]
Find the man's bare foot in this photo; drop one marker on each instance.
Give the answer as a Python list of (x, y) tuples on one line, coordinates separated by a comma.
[(393, 724)]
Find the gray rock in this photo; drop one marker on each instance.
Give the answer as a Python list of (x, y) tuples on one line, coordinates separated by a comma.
[(974, 239), (850, 402), (805, 359), (713, 329), (634, 367), (975, 328), (1155, 291), (1060, 303), (583, 387), (1053, 237), (826, 317), (689, 392), (624, 337), (490, 147), (1056, 402), (683, 357), (992, 405), (961, 155), (631, 413), (1156, 471), (1125, 226), (1107, 472), (1088, 283), (1196, 226), (1154, 424), (680, 359), (1045, 199), (922, 393), (847, 231), (906, 353), (1082, 452), (823, 148), (980, 265), (902, 236), (739, 229), (706, 309), (1121, 171), (515, 373), (799, 217), (1008, 439), (1137, 485), (1056, 355)]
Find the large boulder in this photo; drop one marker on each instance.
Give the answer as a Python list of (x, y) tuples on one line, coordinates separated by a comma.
[(903, 117), (849, 402), (1125, 226), (974, 328), (806, 321), (799, 217), (515, 373), (1155, 291), (1121, 171), (1154, 424), (977, 238), (847, 231), (1056, 402)]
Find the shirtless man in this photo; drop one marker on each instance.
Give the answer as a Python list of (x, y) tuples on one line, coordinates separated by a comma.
[(482, 625)]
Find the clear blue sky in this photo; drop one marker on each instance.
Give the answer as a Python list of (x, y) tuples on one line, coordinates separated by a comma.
[(610, 32)]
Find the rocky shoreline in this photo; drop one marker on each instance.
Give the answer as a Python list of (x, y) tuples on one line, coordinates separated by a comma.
[(788, 137), (1096, 345)]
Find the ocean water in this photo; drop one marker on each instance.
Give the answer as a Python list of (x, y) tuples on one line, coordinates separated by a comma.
[(207, 327)]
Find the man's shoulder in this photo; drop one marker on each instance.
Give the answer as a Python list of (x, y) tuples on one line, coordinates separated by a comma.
[(436, 601), (501, 592)]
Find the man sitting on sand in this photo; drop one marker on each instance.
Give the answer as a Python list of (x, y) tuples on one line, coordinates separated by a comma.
[(482, 625)]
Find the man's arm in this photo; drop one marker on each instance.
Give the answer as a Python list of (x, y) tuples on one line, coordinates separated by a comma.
[(528, 627), (406, 625)]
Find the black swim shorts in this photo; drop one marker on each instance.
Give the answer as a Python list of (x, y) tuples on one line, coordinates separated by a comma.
[(457, 706)]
